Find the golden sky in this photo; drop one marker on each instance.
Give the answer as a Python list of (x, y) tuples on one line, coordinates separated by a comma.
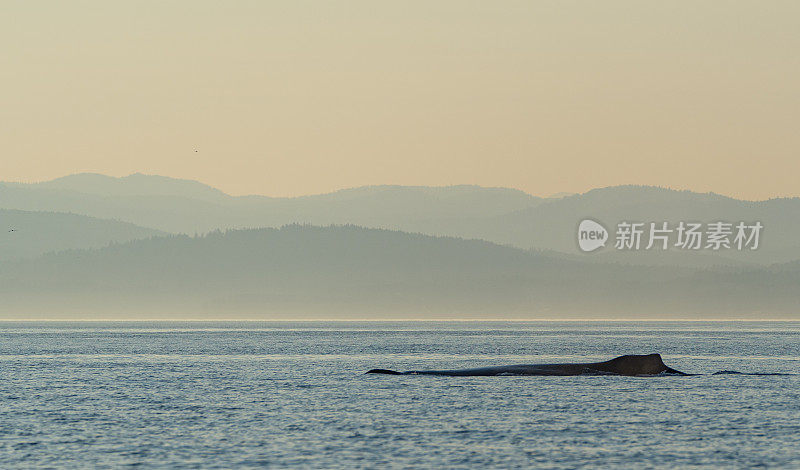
[(294, 97)]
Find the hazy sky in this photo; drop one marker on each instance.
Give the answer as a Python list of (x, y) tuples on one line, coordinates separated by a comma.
[(294, 97)]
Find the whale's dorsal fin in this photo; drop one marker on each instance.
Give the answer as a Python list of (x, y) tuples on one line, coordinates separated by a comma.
[(635, 364)]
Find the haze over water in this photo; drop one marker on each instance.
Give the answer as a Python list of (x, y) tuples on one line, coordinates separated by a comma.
[(251, 394)]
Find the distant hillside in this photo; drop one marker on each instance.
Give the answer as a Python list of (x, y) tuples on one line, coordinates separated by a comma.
[(350, 272), (499, 215), (136, 184), (29, 234), (552, 224), (181, 206)]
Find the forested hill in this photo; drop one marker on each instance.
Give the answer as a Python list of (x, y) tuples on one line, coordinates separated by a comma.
[(350, 272)]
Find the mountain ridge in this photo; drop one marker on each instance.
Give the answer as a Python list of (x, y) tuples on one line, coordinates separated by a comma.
[(59, 182), (26, 234), (500, 215)]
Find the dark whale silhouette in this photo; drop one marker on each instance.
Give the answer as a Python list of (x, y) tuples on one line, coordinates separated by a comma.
[(632, 365)]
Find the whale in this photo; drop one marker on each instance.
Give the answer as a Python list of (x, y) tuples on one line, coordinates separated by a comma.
[(629, 365)]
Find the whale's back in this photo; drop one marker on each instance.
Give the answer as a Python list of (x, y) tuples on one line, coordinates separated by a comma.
[(631, 365)]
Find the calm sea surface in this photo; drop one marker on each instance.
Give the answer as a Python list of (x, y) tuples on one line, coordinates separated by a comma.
[(252, 394)]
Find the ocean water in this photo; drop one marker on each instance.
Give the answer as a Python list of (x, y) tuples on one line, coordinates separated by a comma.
[(234, 394)]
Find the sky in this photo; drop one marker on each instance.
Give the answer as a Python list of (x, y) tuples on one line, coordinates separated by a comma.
[(295, 97)]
